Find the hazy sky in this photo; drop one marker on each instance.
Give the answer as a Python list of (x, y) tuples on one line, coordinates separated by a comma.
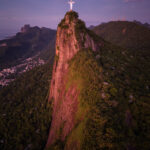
[(48, 13)]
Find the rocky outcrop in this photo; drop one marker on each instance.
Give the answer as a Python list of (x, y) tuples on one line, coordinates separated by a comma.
[(25, 28), (72, 36)]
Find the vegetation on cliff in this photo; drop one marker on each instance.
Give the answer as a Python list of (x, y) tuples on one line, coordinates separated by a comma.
[(72, 15), (113, 101), (25, 114)]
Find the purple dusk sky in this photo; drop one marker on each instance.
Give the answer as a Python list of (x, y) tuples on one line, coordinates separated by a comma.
[(48, 13)]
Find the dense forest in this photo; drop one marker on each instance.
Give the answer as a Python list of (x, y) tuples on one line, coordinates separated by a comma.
[(25, 114)]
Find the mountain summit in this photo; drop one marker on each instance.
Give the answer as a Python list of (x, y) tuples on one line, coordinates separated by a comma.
[(72, 36)]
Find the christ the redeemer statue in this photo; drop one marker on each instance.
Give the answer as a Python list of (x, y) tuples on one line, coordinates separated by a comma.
[(71, 4)]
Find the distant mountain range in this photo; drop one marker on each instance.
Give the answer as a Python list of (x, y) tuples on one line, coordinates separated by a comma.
[(3, 37), (6, 33), (135, 21), (30, 47), (131, 35), (143, 24), (25, 44)]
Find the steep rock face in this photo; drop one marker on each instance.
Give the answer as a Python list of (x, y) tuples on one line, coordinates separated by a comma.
[(72, 36)]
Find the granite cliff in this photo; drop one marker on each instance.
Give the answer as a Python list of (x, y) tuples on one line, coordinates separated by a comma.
[(72, 36)]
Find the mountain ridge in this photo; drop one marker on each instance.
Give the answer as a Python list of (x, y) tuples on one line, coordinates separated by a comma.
[(125, 34), (96, 93), (69, 41)]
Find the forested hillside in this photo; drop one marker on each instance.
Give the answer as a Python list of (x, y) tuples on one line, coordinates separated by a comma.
[(125, 34), (25, 114)]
